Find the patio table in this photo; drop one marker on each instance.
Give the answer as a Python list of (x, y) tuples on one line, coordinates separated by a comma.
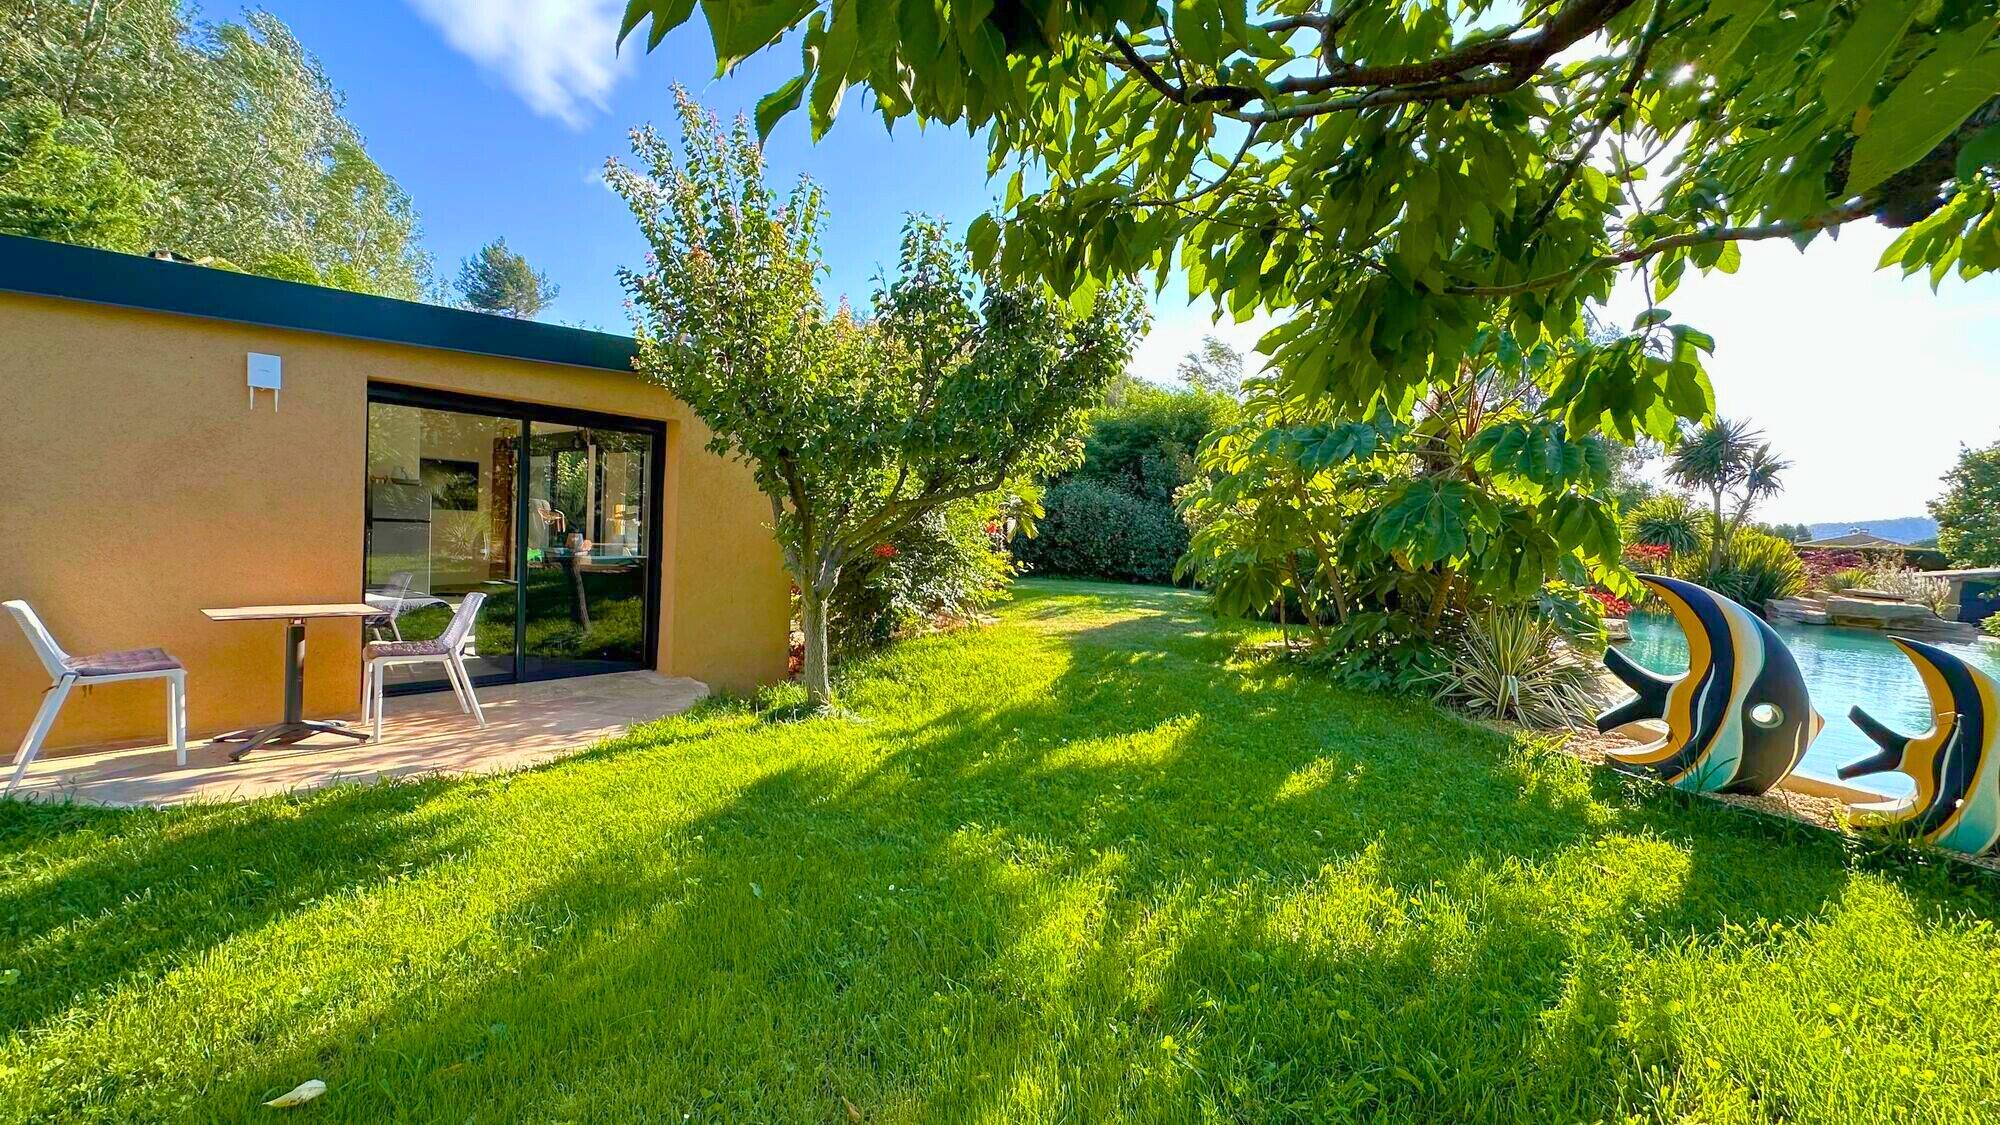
[(295, 725)]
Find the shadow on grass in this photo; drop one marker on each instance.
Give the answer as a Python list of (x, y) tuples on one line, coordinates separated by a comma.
[(112, 895), (1116, 880)]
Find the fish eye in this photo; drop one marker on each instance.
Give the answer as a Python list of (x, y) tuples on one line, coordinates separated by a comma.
[(1767, 715)]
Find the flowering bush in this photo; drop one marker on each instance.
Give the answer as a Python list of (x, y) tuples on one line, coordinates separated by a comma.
[(945, 567), (1647, 554), (1613, 605), (1822, 563)]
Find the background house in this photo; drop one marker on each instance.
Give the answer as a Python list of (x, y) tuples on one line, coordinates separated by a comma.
[(407, 444)]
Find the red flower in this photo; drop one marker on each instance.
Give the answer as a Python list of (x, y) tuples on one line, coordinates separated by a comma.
[(1647, 552), (992, 527), (1613, 605), (886, 551)]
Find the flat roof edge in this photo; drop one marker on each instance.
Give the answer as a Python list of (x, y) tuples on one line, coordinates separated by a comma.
[(40, 268)]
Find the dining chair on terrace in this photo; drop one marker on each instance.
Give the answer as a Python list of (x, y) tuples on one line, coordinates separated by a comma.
[(448, 649), (71, 672)]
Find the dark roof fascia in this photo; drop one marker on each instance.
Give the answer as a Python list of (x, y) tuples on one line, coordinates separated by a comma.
[(81, 273)]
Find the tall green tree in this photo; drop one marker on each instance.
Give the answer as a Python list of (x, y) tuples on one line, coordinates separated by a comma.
[(233, 128), (854, 428), (1968, 511), (1399, 181), (497, 280), (65, 184)]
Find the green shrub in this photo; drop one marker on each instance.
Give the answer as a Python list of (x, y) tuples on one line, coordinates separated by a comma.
[(1991, 626), (1092, 530), (1849, 578), (1379, 650), (1114, 516), (1757, 568), (1145, 445), (947, 566)]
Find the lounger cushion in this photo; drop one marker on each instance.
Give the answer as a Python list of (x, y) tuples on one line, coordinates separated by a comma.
[(123, 663), (378, 649)]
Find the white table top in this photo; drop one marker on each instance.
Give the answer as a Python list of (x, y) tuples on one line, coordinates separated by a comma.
[(291, 612)]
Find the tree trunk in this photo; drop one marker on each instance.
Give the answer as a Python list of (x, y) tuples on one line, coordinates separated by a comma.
[(813, 600), (1717, 541)]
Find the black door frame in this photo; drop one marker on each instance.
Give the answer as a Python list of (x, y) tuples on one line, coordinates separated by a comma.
[(528, 413)]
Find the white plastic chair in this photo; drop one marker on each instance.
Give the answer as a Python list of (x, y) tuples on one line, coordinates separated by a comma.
[(448, 649), (70, 672)]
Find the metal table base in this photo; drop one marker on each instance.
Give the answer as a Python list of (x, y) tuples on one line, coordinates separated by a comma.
[(295, 727)]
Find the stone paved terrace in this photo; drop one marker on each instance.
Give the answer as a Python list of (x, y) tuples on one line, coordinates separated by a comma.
[(422, 735)]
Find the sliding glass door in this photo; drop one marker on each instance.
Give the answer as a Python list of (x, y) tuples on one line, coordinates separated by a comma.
[(550, 513), (441, 524), (589, 519)]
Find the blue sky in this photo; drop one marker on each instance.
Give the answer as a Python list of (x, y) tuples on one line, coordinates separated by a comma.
[(496, 116)]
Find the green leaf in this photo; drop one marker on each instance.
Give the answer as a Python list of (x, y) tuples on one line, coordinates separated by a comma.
[(740, 29), (667, 15), (836, 56), (1738, 17), (982, 239), (1982, 151), (1863, 53), (1653, 316), (772, 107), (1925, 108)]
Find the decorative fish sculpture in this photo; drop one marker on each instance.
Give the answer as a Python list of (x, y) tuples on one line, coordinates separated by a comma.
[(1955, 764), (1737, 721)]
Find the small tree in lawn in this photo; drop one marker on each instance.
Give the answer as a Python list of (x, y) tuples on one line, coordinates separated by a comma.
[(854, 427)]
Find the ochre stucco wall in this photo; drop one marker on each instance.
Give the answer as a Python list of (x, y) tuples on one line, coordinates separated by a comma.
[(142, 488)]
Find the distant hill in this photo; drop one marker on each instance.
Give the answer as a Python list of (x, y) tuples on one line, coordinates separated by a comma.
[(1907, 529)]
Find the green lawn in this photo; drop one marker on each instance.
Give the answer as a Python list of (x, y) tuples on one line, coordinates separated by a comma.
[(1088, 863)]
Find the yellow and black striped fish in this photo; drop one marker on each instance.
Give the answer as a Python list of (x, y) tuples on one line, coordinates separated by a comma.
[(1738, 720), (1955, 764)]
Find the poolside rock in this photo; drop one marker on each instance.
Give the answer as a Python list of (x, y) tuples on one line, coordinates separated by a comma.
[(1617, 630), (1906, 618), (1870, 613), (1799, 611)]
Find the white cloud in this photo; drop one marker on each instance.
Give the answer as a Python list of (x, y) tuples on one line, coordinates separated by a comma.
[(560, 56)]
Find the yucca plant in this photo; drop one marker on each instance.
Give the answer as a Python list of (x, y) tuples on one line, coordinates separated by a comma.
[(1512, 663)]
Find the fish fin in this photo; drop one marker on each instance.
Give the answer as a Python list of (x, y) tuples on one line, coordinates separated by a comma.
[(1893, 746), (1652, 692), (1632, 710)]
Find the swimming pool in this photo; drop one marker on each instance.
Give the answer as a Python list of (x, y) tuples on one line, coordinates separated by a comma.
[(1842, 667)]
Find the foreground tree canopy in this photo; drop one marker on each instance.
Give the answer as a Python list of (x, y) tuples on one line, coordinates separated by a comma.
[(1424, 182)]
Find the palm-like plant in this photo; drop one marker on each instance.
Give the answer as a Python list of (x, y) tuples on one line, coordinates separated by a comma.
[(1514, 664), (1729, 461)]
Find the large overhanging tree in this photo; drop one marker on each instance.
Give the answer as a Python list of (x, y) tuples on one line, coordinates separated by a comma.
[(1415, 185), (854, 427)]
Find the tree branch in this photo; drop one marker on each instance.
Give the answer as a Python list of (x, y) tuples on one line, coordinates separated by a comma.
[(1611, 112), (1701, 237), (1527, 53)]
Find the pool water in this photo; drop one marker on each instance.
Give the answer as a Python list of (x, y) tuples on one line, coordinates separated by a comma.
[(1842, 667)]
